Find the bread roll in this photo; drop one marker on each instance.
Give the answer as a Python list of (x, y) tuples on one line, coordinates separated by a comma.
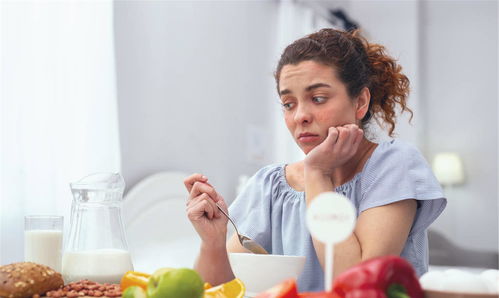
[(27, 279)]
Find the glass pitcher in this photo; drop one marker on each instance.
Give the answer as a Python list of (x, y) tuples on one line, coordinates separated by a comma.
[(96, 248)]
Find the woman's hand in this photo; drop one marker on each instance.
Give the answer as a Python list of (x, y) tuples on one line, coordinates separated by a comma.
[(340, 145), (202, 211), (211, 225)]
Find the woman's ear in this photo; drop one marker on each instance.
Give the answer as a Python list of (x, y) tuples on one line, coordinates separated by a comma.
[(362, 105)]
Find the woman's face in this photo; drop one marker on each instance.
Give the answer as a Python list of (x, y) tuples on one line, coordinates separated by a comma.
[(313, 100)]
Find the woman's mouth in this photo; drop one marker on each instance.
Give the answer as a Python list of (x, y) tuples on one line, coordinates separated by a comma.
[(308, 138)]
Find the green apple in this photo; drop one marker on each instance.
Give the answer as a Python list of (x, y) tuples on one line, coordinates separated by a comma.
[(175, 283), (161, 271), (134, 292)]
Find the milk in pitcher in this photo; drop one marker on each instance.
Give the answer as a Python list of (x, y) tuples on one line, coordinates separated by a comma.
[(99, 265)]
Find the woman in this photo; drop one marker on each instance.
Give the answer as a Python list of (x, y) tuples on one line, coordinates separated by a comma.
[(331, 84)]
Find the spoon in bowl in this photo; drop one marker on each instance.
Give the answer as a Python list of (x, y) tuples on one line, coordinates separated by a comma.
[(245, 241)]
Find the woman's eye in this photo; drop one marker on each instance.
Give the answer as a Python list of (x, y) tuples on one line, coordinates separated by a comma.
[(319, 99), (287, 106)]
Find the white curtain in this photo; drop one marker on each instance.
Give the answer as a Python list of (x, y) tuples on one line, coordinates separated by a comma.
[(58, 108), (295, 20)]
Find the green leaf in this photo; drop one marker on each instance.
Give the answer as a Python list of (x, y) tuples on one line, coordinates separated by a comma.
[(397, 291)]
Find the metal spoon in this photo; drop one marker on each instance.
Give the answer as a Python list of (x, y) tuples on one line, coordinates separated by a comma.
[(245, 241)]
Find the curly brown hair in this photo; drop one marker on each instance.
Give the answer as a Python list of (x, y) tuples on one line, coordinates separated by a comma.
[(358, 64)]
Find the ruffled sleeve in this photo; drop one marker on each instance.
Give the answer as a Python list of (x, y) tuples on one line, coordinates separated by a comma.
[(400, 172), (251, 210)]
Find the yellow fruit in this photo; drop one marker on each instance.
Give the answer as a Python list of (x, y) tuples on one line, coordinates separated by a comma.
[(232, 289), (207, 285), (134, 278)]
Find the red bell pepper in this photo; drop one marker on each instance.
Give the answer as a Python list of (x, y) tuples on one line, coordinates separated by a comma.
[(286, 289), (381, 277), (317, 295)]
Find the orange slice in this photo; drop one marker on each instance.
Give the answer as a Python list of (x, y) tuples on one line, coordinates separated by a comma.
[(232, 289)]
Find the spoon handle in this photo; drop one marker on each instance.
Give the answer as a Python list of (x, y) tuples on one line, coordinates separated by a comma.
[(228, 217)]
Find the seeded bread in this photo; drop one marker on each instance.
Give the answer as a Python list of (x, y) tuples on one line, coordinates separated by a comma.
[(26, 279)]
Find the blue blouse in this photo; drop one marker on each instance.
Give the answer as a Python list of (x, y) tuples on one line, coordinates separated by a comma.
[(272, 213)]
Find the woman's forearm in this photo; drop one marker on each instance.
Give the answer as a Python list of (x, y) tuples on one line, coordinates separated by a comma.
[(213, 264), (346, 253)]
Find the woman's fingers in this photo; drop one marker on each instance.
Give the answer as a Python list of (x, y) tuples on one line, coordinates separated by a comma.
[(332, 135), (201, 187), (355, 137), (200, 207), (197, 184), (348, 136), (189, 181), (222, 204), (194, 210), (342, 136), (199, 210), (359, 135), (203, 205)]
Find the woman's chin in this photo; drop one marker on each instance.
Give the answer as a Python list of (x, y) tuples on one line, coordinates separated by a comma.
[(307, 148)]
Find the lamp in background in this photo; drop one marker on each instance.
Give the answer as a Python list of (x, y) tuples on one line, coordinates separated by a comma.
[(448, 168)]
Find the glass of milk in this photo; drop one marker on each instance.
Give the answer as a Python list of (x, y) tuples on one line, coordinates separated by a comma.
[(43, 240)]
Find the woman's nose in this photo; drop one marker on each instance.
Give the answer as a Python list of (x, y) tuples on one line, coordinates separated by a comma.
[(303, 114)]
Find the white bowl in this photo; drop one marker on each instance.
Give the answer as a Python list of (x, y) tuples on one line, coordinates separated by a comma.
[(261, 272)]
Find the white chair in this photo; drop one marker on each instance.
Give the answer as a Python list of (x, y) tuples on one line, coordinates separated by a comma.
[(159, 233)]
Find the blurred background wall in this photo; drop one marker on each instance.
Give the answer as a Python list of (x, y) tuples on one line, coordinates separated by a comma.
[(196, 91), (459, 75), (193, 81)]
